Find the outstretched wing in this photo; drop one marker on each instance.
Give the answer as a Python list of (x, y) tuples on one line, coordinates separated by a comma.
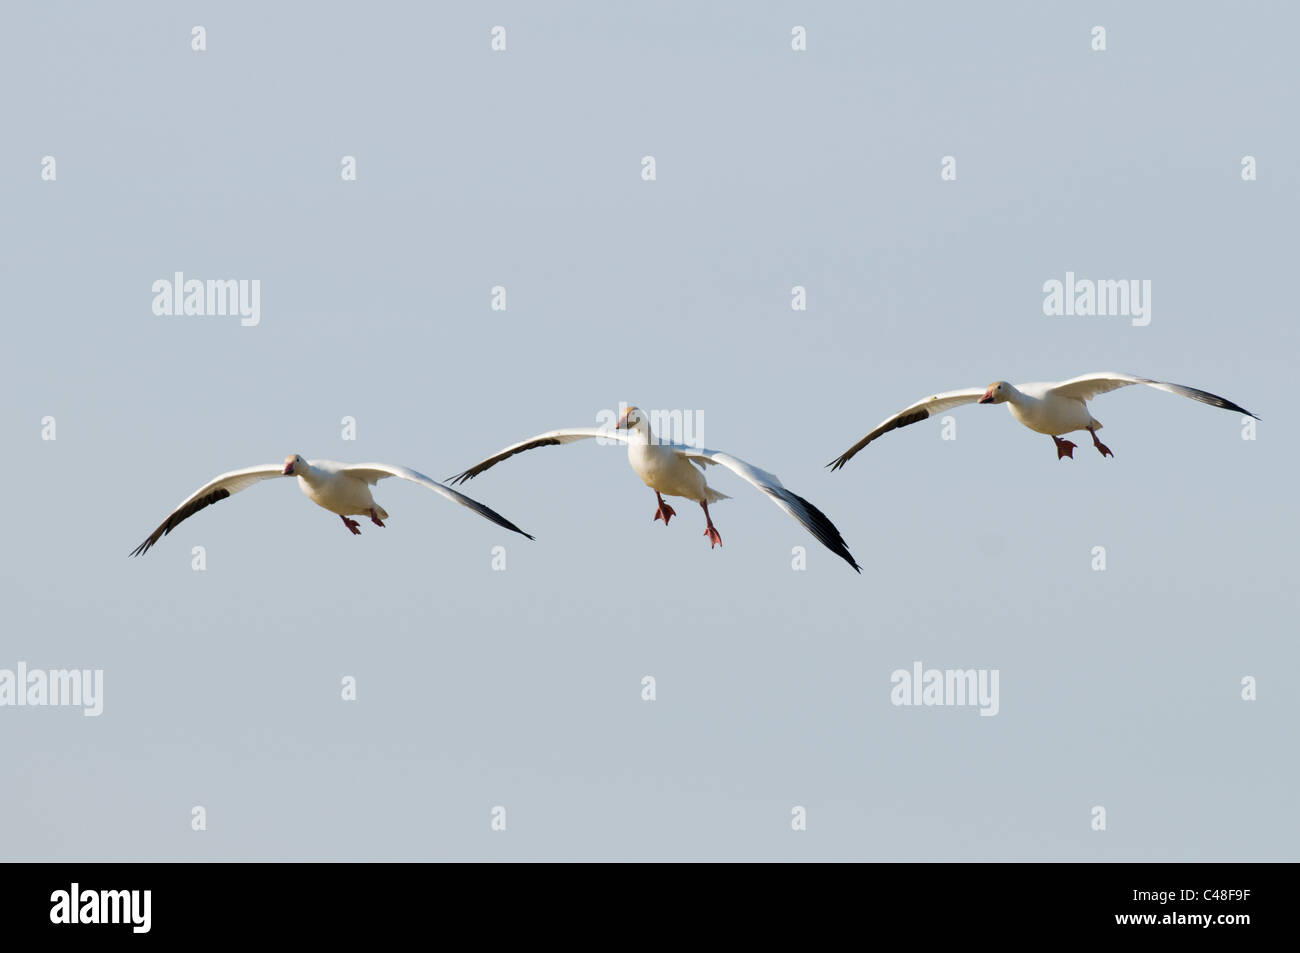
[(919, 411), (1090, 385), (214, 491), (372, 473), (811, 518), (548, 439)]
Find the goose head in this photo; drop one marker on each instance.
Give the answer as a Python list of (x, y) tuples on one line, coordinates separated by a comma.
[(633, 420), (998, 392)]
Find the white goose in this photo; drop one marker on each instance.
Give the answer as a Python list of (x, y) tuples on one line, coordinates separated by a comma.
[(342, 488), (1051, 409), (676, 470)]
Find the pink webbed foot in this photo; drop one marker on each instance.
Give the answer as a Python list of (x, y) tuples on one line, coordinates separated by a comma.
[(1064, 448), (1101, 447), (374, 517), (715, 539), (664, 512), (352, 525)]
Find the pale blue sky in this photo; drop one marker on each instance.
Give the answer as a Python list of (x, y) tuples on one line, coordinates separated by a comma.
[(522, 688)]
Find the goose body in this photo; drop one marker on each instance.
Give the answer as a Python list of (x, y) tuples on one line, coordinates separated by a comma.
[(1047, 408), (675, 470), (341, 488)]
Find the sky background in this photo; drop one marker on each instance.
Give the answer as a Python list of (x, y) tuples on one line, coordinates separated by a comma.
[(522, 688)]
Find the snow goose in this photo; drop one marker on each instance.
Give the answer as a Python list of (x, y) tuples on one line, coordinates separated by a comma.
[(342, 488), (1050, 408), (677, 470)]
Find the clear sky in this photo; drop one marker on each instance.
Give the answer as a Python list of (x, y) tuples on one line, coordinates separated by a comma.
[(522, 688)]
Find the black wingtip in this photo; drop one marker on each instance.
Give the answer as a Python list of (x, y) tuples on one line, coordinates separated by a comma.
[(826, 533), (839, 462), (502, 521)]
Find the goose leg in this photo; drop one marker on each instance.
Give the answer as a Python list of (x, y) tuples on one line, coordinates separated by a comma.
[(374, 517), (351, 524), (665, 512), (1101, 447), (1065, 448), (710, 531)]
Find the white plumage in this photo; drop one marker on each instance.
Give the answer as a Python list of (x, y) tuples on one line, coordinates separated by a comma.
[(1048, 408), (676, 470), (342, 488)]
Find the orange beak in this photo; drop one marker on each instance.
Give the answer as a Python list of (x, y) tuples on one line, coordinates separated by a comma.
[(288, 468), (987, 398), (622, 423)]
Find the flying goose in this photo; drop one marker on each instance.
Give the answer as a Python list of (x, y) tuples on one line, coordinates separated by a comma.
[(342, 488), (676, 470), (1048, 408)]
